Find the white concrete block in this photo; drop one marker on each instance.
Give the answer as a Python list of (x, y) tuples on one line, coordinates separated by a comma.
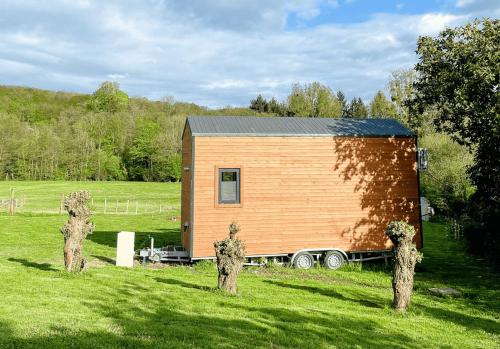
[(125, 249)]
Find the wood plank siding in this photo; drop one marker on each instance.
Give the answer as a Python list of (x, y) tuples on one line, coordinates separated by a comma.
[(302, 192), (187, 156)]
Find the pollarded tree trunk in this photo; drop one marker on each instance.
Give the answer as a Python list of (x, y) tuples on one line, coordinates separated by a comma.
[(76, 230), (405, 258), (230, 254)]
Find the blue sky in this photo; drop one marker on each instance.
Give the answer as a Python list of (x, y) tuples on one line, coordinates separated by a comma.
[(219, 52)]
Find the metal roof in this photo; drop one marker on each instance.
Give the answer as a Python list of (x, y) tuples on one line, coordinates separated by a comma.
[(295, 126)]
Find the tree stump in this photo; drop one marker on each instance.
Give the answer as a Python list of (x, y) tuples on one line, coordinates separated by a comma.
[(405, 258), (76, 230), (230, 254)]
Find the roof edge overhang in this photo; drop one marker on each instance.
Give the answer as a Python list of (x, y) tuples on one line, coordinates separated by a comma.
[(201, 134)]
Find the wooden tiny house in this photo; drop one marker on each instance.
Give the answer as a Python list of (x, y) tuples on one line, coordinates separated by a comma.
[(293, 185)]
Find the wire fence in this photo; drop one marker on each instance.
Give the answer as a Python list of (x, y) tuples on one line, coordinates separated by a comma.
[(104, 205)]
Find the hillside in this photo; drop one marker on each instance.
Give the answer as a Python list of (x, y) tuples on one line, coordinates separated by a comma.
[(49, 135)]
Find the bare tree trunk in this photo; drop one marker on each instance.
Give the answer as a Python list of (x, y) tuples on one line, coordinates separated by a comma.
[(405, 258), (227, 281), (230, 254), (76, 230)]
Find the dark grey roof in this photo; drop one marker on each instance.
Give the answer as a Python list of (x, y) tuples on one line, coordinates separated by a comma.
[(295, 126)]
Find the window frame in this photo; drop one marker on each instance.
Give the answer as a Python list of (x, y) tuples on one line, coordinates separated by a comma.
[(239, 186)]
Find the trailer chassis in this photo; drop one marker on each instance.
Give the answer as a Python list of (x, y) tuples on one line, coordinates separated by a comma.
[(332, 258)]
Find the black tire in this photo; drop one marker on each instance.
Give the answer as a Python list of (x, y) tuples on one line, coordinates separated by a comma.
[(303, 260), (333, 260)]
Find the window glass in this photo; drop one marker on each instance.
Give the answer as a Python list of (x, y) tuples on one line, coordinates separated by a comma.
[(229, 185)]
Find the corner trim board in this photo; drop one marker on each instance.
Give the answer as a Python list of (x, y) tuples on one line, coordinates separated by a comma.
[(191, 209)]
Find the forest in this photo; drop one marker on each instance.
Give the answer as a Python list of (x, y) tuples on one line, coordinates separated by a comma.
[(104, 136)]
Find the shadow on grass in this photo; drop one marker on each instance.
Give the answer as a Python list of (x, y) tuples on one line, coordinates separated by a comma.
[(161, 238), (105, 259), (361, 299), (461, 319), (35, 265), (184, 284), (155, 321)]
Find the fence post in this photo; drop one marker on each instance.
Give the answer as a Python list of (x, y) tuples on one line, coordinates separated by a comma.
[(136, 207), (127, 205), (11, 203), (116, 207), (61, 204), (105, 204)]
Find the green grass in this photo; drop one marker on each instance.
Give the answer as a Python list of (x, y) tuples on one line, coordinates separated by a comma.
[(45, 196), (178, 306)]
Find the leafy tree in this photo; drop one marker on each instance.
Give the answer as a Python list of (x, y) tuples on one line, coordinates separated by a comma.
[(458, 77), (259, 104), (109, 98), (380, 106), (174, 167), (276, 107), (297, 102), (313, 100), (446, 182), (141, 153), (401, 89), (343, 103), (356, 109)]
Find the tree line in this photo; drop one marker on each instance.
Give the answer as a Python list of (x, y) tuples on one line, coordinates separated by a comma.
[(318, 100), (48, 135)]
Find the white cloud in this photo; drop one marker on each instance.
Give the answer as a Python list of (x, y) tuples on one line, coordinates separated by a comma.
[(214, 53), (464, 3), (432, 23)]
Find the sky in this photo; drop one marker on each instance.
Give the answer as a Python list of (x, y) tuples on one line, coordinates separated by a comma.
[(218, 53)]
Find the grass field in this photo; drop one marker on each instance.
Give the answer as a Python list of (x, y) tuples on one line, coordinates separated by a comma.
[(178, 307), (45, 196)]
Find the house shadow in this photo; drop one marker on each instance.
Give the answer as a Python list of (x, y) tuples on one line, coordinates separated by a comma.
[(31, 264)]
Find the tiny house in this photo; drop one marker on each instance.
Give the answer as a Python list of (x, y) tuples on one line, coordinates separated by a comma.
[(303, 189)]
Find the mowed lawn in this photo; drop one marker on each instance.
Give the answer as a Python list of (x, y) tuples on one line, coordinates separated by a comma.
[(178, 307)]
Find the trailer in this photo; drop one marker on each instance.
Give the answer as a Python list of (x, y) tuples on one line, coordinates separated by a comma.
[(303, 190)]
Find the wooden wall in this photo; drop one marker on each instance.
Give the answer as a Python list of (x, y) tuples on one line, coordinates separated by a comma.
[(186, 187), (305, 192)]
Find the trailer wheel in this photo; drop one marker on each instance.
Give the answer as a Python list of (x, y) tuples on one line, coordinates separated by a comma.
[(333, 260), (303, 260)]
